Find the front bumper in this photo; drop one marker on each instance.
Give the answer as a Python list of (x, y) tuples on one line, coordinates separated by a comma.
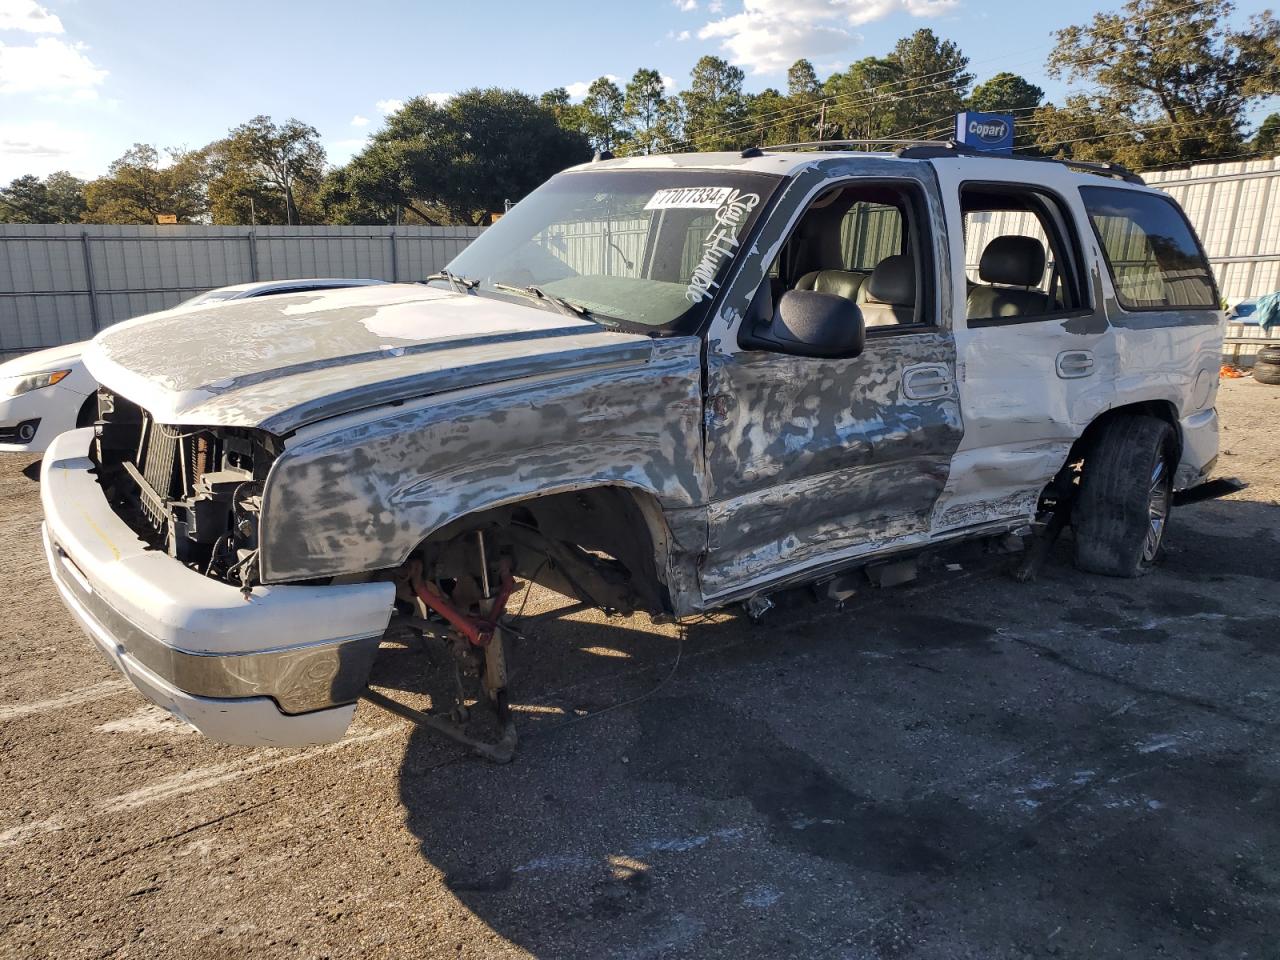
[(282, 668), (52, 409)]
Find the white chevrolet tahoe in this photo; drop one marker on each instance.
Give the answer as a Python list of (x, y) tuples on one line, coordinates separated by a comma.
[(661, 383)]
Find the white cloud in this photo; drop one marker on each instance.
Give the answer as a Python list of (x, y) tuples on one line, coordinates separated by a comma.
[(28, 16), (669, 83), (769, 35), (685, 6), (683, 35), (50, 66), (393, 105), (359, 121), (41, 148), (715, 6), (579, 89)]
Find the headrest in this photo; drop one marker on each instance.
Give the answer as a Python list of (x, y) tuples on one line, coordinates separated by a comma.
[(893, 281), (843, 283), (1013, 260)]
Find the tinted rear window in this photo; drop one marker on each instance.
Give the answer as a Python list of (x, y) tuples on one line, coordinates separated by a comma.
[(1155, 261)]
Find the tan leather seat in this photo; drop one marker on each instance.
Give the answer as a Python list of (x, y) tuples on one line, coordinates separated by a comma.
[(1010, 270), (889, 295), (843, 283)]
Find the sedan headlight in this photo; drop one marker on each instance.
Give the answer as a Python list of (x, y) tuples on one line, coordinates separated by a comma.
[(15, 386)]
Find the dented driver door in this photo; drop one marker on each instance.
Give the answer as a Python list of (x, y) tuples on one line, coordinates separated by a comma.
[(814, 462)]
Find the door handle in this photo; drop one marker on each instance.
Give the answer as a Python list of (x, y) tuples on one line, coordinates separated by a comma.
[(926, 382), (1074, 364)]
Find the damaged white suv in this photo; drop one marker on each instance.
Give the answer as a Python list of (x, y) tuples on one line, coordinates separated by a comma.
[(659, 383)]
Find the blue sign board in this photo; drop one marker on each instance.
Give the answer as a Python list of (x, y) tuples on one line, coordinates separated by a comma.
[(992, 132)]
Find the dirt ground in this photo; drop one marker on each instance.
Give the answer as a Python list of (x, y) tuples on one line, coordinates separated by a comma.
[(962, 767)]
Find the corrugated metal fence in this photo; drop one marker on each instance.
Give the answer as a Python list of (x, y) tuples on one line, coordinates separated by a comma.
[(62, 283), (1236, 210)]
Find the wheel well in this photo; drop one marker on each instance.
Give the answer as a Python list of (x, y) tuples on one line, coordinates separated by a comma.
[(605, 546), (88, 411), (1160, 409)]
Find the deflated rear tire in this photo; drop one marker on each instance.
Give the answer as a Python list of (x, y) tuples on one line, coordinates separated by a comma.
[(1126, 492)]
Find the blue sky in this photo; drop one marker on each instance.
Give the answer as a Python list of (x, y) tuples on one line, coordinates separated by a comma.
[(81, 80)]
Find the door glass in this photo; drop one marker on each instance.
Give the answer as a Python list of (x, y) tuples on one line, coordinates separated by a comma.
[(1153, 256)]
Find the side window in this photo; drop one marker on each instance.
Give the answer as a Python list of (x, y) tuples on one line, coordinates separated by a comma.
[(1018, 255), (868, 244), (1154, 258)]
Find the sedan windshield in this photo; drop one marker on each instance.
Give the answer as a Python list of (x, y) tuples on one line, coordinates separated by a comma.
[(649, 248)]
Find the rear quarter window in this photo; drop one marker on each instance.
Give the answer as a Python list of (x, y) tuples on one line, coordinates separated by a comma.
[(1155, 260)]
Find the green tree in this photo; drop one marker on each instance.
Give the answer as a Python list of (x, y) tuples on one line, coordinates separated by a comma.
[(934, 78), (458, 162), (1005, 93), (768, 119), (58, 198), (1172, 82), (863, 100), (266, 172), (641, 109), (800, 120), (555, 100), (139, 189), (669, 132), (343, 199), (802, 80), (570, 116), (604, 112), (1266, 139), (714, 108)]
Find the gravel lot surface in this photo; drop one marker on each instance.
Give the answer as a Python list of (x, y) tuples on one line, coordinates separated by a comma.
[(962, 767)]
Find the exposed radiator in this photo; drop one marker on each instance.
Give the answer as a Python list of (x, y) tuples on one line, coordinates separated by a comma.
[(159, 466)]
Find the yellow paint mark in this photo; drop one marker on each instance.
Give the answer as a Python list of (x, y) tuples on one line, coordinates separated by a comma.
[(98, 530)]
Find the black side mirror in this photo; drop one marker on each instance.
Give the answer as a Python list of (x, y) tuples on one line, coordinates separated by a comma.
[(812, 324)]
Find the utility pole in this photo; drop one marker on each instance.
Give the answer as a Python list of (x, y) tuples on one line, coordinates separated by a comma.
[(822, 120)]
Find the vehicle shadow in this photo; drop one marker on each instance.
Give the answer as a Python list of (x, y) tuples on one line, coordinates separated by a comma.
[(862, 781)]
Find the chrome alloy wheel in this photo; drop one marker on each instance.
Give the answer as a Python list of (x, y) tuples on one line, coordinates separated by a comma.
[(1159, 496)]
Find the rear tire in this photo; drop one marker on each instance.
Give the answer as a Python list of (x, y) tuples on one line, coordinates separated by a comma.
[(1265, 372), (1121, 511)]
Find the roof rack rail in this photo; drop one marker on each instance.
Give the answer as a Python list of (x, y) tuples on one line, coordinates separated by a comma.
[(939, 149), (1102, 169), (829, 144)]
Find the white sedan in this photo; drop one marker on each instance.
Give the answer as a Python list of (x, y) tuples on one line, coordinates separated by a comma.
[(48, 392)]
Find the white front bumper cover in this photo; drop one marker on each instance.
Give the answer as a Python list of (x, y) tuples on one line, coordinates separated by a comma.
[(196, 646)]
